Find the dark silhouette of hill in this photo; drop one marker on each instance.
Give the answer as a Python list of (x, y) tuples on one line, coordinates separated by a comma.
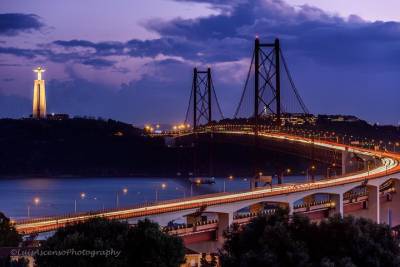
[(77, 146), (89, 147), (97, 147)]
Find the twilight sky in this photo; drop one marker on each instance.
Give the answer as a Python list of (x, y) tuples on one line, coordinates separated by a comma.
[(132, 60)]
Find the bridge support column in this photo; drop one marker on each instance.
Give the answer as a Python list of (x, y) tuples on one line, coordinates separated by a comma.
[(291, 207), (338, 200), (224, 221), (345, 160), (373, 203), (390, 213)]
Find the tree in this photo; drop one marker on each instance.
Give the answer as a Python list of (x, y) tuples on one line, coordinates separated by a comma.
[(148, 247), (141, 245), (9, 237), (276, 240)]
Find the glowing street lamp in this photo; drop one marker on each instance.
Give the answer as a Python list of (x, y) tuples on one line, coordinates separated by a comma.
[(82, 195), (36, 200), (163, 186)]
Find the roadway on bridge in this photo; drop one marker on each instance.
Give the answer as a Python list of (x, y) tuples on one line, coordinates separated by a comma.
[(390, 165)]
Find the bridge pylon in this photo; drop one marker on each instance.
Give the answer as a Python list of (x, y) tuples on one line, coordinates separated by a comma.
[(202, 99), (267, 74), (274, 91)]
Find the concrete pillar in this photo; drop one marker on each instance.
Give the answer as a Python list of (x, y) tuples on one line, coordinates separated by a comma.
[(345, 160), (291, 208), (373, 203), (390, 212), (224, 221), (338, 200)]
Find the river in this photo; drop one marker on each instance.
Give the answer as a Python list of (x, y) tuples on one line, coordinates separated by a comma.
[(56, 196)]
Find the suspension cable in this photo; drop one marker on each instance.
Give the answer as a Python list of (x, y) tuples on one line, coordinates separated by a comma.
[(299, 99), (216, 99), (188, 108), (245, 86)]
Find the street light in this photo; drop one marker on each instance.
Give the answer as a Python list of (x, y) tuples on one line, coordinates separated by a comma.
[(124, 191), (163, 186), (310, 169), (36, 201), (82, 195)]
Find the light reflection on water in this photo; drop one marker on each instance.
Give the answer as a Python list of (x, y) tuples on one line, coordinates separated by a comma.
[(58, 195)]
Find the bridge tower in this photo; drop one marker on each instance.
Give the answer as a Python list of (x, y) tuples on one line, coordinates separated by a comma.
[(201, 96), (267, 74), (203, 100)]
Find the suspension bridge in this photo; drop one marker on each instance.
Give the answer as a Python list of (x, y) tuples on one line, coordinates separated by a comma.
[(377, 184)]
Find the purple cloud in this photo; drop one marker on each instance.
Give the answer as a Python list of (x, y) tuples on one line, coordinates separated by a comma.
[(14, 23), (335, 60)]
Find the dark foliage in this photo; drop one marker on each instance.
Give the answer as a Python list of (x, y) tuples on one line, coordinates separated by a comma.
[(141, 245), (148, 247), (7, 262), (277, 241), (9, 237)]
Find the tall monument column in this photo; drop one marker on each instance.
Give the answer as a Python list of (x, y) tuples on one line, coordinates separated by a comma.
[(39, 96)]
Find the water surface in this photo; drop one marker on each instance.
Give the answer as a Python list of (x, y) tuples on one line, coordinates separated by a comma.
[(58, 195)]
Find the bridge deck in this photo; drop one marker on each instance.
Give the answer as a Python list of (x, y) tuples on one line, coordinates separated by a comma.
[(390, 165)]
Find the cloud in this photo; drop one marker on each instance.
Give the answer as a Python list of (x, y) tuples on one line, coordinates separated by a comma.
[(305, 31), (98, 62), (14, 23), (157, 96), (330, 56)]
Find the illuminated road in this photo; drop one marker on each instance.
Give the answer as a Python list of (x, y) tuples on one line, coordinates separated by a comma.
[(390, 165)]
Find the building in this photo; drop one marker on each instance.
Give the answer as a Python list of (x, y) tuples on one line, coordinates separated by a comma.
[(57, 116), (193, 258), (39, 96)]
